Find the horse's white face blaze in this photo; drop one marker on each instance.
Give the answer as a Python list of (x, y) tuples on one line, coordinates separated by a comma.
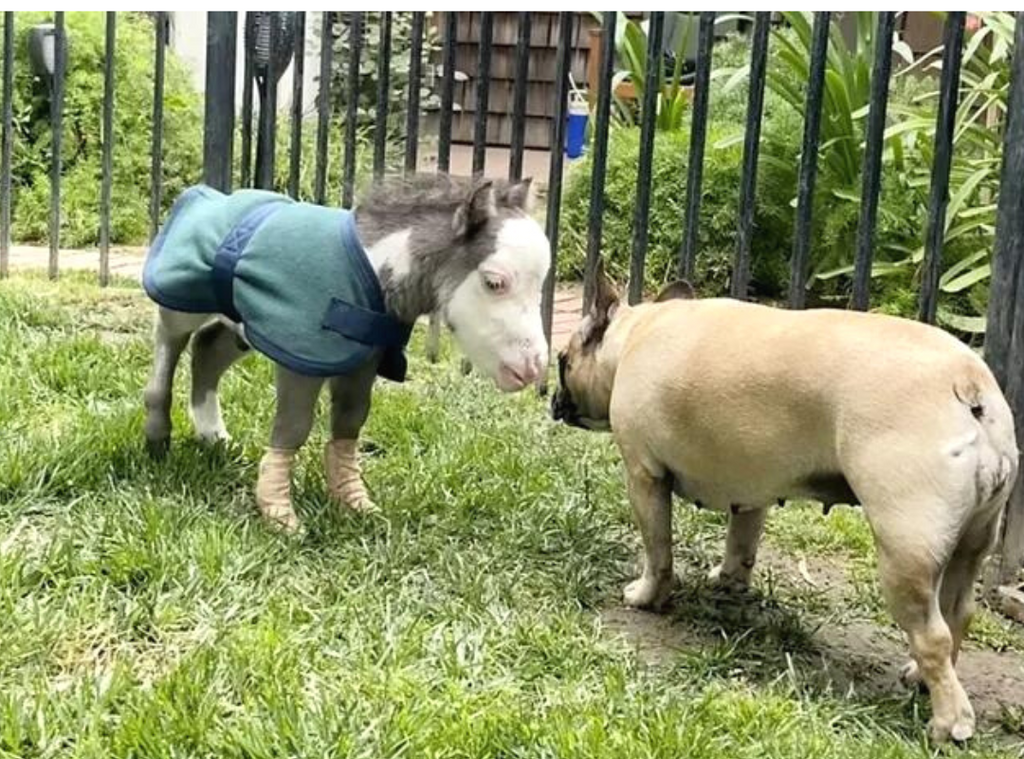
[(495, 311)]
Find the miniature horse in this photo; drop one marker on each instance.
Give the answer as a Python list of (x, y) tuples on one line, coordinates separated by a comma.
[(465, 248)]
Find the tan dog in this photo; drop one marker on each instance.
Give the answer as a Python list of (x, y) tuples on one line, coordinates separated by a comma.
[(737, 406)]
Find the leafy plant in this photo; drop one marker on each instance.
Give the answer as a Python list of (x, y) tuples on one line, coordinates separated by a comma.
[(398, 76), (631, 38), (82, 139), (717, 230)]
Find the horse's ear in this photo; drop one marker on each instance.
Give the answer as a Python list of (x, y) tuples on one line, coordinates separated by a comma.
[(478, 208), (517, 195), (678, 290)]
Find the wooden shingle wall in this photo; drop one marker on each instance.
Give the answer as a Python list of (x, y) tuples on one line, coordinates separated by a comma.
[(540, 96)]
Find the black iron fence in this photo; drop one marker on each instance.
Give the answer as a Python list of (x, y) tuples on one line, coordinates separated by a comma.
[(268, 34)]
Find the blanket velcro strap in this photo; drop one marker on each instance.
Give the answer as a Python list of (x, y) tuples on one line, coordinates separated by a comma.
[(366, 326)]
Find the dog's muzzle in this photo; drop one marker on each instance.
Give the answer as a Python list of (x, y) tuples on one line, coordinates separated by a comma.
[(564, 410), (562, 407)]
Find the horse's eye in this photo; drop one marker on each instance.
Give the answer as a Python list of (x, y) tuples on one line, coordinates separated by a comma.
[(496, 285)]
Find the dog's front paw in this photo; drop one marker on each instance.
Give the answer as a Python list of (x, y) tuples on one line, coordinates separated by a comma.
[(722, 578), (959, 728), (647, 592)]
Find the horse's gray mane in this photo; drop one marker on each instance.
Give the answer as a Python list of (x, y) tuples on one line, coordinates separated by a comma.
[(421, 192), (426, 204)]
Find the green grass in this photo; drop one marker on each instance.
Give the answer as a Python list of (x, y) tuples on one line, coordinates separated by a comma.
[(146, 612)]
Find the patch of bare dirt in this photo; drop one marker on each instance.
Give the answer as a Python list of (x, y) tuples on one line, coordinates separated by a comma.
[(852, 657)]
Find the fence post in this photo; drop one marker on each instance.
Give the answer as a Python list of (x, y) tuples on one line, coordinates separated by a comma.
[(156, 153), (218, 132), (515, 158), (648, 117), (380, 127), (57, 121), (248, 76), (599, 166), (872, 173), (483, 91), (355, 45), (808, 162), (295, 157), (108, 145), (323, 108), (1004, 339), (563, 60), (412, 101), (698, 136), (444, 147), (952, 52), (751, 144), (5, 143)]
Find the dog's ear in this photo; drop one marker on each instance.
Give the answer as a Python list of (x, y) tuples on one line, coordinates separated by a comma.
[(606, 301), (478, 208), (678, 290)]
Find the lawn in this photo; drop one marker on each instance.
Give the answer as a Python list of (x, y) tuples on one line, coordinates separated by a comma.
[(146, 612)]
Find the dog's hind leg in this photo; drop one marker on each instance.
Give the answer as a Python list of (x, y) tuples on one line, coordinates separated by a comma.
[(171, 335), (651, 498), (215, 347), (745, 528), (957, 593), (916, 541)]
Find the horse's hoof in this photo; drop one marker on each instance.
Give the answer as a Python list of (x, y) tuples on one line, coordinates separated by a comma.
[(157, 448)]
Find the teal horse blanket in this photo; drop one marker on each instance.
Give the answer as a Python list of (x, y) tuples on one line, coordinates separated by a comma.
[(294, 274)]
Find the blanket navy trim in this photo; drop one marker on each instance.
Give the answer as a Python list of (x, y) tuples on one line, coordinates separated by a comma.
[(230, 252), (148, 281)]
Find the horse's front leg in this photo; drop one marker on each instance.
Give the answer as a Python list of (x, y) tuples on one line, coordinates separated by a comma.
[(293, 419), (350, 406)]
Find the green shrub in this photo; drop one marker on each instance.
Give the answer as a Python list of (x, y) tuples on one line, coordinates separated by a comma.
[(82, 138), (718, 218)]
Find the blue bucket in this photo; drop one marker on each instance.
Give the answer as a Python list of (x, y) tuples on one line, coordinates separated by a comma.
[(575, 134)]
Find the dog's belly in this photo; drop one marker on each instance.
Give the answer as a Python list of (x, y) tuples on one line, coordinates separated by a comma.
[(829, 488)]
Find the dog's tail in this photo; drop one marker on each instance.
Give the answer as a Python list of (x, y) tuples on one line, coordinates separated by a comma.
[(980, 395)]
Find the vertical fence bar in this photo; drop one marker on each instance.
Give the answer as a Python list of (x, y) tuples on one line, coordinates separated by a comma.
[(323, 108), (248, 73), (698, 136), (649, 115), (515, 159), (218, 132), (751, 142), (599, 166), (355, 46), (483, 91), (444, 128), (562, 69), (380, 129), (108, 146), (444, 147), (808, 162), (57, 123), (412, 113), (267, 141), (952, 52), (6, 142), (872, 174), (1004, 338), (299, 70), (156, 154)]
